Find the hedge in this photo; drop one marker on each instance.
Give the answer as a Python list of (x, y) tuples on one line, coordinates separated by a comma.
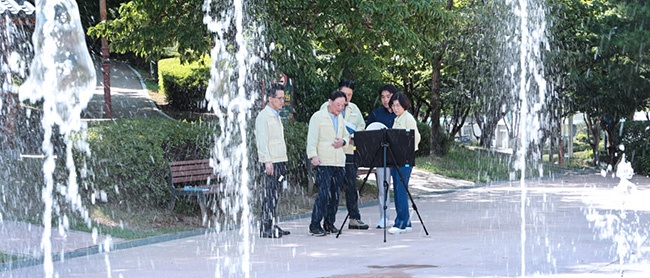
[(184, 85), (637, 147), (129, 158)]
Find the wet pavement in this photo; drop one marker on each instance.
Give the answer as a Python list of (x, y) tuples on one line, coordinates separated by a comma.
[(570, 223), (568, 226)]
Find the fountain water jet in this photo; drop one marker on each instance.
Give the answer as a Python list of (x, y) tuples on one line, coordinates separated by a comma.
[(531, 107), (231, 94), (62, 76), (615, 216), (13, 47), (621, 223)]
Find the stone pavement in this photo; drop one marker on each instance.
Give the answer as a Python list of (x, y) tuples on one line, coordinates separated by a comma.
[(571, 224), (23, 239)]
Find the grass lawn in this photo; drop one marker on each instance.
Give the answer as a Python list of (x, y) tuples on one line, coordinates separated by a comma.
[(463, 163)]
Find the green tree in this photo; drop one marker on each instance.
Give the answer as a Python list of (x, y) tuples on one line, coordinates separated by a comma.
[(570, 35), (479, 62), (151, 28), (615, 83), (314, 41), (363, 40)]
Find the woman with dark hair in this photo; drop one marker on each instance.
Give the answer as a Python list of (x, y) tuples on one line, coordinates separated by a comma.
[(384, 115), (399, 103)]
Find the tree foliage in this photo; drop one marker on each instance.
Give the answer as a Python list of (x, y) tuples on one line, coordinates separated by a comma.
[(380, 41), (483, 50), (450, 57), (150, 28), (610, 76)]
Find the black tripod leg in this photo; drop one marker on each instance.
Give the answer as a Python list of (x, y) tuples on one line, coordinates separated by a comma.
[(401, 177), (386, 193), (343, 224), (360, 190)]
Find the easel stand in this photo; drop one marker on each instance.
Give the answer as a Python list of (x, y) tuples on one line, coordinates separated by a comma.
[(385, 150)]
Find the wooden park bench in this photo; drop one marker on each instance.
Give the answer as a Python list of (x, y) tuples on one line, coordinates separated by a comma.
[(192, 178)]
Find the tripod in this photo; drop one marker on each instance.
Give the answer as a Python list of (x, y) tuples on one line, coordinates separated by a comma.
[(385, 148)]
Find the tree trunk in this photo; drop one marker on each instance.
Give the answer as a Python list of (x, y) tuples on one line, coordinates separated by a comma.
[(436, 144), (612, 141), (593, 126), (436, 102), (8, 102), (560, 153), (555, 130)]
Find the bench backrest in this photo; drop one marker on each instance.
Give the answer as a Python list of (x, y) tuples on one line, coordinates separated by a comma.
[(190, 170)]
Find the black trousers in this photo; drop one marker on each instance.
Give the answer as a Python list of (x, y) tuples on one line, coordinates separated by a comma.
[(271, 193), (351, 193)]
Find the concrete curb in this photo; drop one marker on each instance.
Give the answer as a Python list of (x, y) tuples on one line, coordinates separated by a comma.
[(96, 249)]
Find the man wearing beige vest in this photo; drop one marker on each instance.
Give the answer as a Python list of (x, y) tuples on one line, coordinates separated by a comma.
[(353, 122), (272, 155), (326, 138)]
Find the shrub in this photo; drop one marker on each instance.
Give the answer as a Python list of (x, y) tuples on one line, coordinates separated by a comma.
[(445, 141), (581, 143), (425, 140), (637, 148), (129, 158), (184, 85), (295, 133)]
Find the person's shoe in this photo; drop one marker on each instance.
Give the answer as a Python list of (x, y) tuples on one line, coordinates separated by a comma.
[(408, 229), (330, 228), (381, 223), (281, 231), (317, 231), (270, 234), (396, 231), (357, 224)]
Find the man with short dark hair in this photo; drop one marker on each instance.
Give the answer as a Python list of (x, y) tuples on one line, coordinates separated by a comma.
[(272, 155), (326, 138), (353, 121)]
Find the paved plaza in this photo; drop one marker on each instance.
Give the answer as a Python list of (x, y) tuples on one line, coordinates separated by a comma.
[(571, 224)]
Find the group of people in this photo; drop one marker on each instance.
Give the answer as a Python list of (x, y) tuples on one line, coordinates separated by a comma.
[(330, 149)]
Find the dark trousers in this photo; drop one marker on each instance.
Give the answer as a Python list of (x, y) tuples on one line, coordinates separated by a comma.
[(271, 193), (330, 180), (350, 182)]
